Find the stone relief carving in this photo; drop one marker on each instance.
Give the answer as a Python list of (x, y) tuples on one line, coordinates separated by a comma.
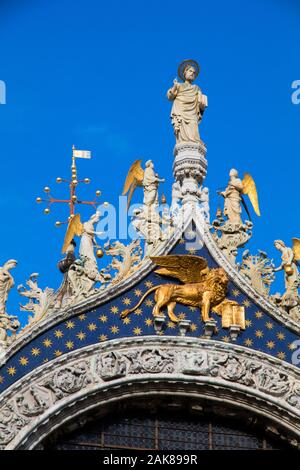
[(111, 366), (201, 363), (293, 397), (11, 422), (235, 367), (152, 361), (68, 380), (34, 402), (273, 382)]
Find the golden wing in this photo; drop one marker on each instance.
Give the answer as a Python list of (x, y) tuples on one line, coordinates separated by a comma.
[(249, 188), (185, 268), (75, 227), (296, 248), (134, 179)]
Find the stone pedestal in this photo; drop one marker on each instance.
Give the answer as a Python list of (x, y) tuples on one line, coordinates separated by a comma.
[(189, 169), (159, 323), (184, 326), (209, 328), (234, 331)]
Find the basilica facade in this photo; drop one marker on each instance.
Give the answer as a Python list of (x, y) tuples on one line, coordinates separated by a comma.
[(177, 343)]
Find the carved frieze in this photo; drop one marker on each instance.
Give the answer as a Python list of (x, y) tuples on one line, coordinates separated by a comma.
[(72, 378)]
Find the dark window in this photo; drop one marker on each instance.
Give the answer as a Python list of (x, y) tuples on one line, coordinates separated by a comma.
[(161, 432)]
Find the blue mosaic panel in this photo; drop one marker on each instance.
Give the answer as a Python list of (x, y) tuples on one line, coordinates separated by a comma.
[(262, 333)]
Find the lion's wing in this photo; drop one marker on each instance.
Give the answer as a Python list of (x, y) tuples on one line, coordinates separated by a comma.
[(185, 268)]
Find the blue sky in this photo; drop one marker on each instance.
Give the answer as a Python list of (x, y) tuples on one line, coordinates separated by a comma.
[(95, 74)]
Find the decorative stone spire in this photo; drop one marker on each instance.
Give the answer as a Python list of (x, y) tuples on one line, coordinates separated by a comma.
[(189, 169)]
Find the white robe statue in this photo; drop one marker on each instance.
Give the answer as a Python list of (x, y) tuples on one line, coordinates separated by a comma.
[(188, 107), (88, 243)]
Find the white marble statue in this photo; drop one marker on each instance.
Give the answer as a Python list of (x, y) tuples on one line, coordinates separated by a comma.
[(189, 104), (88, 242), (8, 323), (233, 198), (290, 268), (6, 283), (150, 184)]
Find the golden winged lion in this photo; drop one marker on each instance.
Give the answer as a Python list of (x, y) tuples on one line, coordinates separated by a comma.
[(201, 287)]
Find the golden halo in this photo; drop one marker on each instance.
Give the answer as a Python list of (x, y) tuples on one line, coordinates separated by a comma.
[(184, 65)]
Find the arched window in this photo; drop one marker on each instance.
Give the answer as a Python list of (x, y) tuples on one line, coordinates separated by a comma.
[(162, 431)]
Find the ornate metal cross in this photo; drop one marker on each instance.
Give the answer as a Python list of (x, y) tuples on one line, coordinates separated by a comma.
[(73, 184)]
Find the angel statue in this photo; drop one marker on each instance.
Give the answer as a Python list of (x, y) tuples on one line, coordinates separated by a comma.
[(80, 275), (289, 264), (150, 183), (189, 103), (87, 243), (233, 196), (6, 283), (134, 179), (148, 179)]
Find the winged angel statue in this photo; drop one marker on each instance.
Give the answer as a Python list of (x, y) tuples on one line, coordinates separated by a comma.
[(233, 196), (87, 233), (230, 232), (83, 273), (148, 179), (134, 179), (146, 220), (201, 287)]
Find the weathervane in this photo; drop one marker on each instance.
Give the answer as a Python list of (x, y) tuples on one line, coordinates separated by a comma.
[(73, 183)]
